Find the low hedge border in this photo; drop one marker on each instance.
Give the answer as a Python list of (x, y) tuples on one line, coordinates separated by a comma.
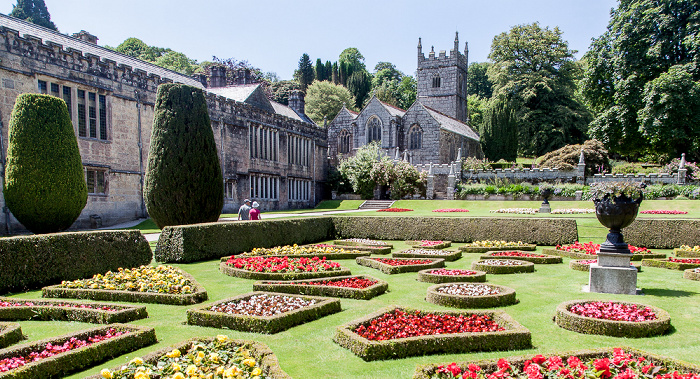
[(259, 351), (574, 255), (245, 274), (353, 243), (364, 248), (526, 267), (578, 266), (10, 333), (547, 259), (78, 359), (297, 287), (348, 255), (589, 325), (426, 276), (198, 295), (269, 325), (686, 253), (662, 263), (691, 274), (42, 311), (448, 256), (504, 298), (34, 261), (515, 337), (488, 366), (663, 233), (440, 246), (482, 250), (389, 269)]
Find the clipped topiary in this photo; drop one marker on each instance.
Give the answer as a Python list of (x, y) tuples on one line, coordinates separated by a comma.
[(184, 184), (44, 182), (568, 156)]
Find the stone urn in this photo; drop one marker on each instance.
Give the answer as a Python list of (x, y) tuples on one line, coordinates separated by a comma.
[(616, 213), (546, 194)]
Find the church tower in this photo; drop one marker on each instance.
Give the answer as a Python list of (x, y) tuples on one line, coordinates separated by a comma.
[(442, 80)]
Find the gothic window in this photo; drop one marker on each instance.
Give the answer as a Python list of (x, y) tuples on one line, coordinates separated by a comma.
[(374, 129), (96, 181), (415, 137), (436, 81), (344, 141)]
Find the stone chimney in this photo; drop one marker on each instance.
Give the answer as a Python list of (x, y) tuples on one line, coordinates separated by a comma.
[(296, 101), (217, 76), (85, 36), (243, 76)]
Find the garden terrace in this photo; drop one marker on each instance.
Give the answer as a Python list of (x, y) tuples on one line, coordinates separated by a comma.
[(450, 275), (503, 266), (585, 265), (692, 274), (262, 312), (362, 287), (12, 309), (471, 295), (10, 333), (615, 319), (280, 268), (400, 265), (672, 263), (511, 336), (447, 255), (523, 256)]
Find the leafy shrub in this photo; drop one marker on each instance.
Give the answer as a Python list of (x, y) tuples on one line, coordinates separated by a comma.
[(184, 184), (44, 182), (568, 156), (692, 173), (473, 163)]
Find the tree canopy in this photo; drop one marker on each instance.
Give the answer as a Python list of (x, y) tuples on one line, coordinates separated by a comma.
[(325, 99), (304, 74), (478, 83), (33, 11)]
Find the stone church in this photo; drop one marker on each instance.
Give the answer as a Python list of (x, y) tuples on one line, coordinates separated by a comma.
[(268, 151), (432, 130)]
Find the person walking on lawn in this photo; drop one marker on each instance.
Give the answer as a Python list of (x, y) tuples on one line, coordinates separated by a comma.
[(244, 210), (255, 212)]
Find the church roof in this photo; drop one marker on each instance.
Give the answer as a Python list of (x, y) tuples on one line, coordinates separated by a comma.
[(284, 110), (394, 111), (240, 93), (452, 124)]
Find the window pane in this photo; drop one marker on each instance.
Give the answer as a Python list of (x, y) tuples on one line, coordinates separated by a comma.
[(90, 177), (100, 181), (92, 114), (54, 90), (69, 101), (103, 117), (82, 121), (42, 87)]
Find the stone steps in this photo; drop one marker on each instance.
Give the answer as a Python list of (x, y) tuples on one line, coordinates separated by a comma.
[(376, 204)]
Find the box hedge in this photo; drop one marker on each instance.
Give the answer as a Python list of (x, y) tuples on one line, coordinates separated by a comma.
[(202, 316), (680, 253), (355, 243), (482, 250), (368, 249), (426, 276), (504, 298), (10, 333), (515, 337), (636, 257), (298, 287), (30, 262), (447, 255), (579, 266), (389, 269), (663, 263), (691, 274), (663, 233), (525, 267), (348, 254), (544, 259), (245, 274), (59, 310), (62, 364), (418, 245), (589, 325)]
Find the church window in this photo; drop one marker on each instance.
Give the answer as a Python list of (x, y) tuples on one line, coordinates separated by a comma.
[(415, 137), (96, 181), (436, 81), (374, 130), (344, 141)]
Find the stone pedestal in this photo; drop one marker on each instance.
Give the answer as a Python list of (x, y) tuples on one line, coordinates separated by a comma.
[(612, 274), (545, 208)]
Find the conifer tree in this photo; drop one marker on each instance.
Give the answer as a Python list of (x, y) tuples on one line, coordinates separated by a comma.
[(33, 11), (305, 73), (320, 70), (329, 70)]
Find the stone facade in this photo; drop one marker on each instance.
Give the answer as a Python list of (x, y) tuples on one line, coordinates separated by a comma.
[(267, 151)]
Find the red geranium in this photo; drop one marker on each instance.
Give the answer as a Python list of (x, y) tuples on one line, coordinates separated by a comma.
[(282, 264), (451, 272), (402, 262), (613, 311), (663, 212), (353, 282), (395, 210), (447, 210)]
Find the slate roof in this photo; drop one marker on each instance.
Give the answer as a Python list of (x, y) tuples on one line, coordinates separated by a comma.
[(394, 111), (451, 124), (239, 93)]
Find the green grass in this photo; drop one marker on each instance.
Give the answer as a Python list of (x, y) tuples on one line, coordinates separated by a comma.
[(147, 226), (325, 205)]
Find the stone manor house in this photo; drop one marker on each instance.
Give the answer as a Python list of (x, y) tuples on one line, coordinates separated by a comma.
[(268, 151)]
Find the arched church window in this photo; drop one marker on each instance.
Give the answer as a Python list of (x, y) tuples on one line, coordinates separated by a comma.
[(436, 81), (415, 137), (374, 129), (344, 141)]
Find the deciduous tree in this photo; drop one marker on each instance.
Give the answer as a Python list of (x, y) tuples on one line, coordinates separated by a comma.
[(325, 99)]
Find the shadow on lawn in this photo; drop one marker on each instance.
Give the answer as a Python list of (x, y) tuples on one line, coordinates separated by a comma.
[(667, 292)]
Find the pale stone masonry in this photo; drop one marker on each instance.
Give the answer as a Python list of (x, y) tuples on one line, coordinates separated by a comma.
[(268, 151)]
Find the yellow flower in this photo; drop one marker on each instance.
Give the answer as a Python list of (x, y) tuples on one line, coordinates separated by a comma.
[(232, 372), (106, 374), (221, 338), (198, 361), (176, 367), (250, 362), (141, 375), (219, 370), (200, 354), (137, 361), (173, 354), (214, 357), (178, 375), (256, 371), (191, 370)]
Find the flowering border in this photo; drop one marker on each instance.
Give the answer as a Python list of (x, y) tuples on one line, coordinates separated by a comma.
[(574, 255), (348, 255), (662, 263), (426, 276), (258, 350), (504, 298), (353, 243), (10, 334), (589, 325), (364, 248), (350, 293), (427, 371), (547, 259), (262, 324), (417, 245), (245, 274), (84, 357), (578, 266), (527, 267), (42, 310), (450, 257), (482, 250), (198, 295), (389, 269), (691, 274), (515, 337), (679, 253)]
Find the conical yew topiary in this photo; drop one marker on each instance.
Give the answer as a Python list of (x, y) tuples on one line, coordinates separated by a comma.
[(184, 184), (44, 181)]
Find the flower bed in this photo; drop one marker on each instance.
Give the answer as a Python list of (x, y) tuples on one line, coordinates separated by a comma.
[(672, 263), (503, 266), (46, 310), (615, 319), (692, 274), (364, 249), (400, 265), (444, 275), (570, 211), (394, 332), (520, 211), (481, 247), (585, 265), (603, 363), (447, 255), (471, 295), (686, 251), (522, 256), (220, 356), (363, 241), (351, 287), (395, 210), (428, 244), (145, 284), (280, 268), (585, 250), (59, 356), (663, 212), (10, 333), (450, 210), (308, 251), (262, 312)]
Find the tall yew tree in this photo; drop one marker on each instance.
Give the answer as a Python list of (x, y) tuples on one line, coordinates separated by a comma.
[(184, 184), (33, 11)]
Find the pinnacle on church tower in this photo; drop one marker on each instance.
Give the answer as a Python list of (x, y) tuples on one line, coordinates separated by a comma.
[(456, 41)]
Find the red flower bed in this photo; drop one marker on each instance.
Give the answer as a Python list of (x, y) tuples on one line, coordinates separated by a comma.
[(354, 282), (447, 210), (684, 260), (395, 210), (428, 243), (592, 248), (282, 264), (451, 272), (50, 350), (613, 311), (403, 262), (618, 365), (663, 212), (47, 304), (399, 324), (516, 254)]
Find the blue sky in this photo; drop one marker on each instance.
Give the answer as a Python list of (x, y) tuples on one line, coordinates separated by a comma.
[(272, 35)]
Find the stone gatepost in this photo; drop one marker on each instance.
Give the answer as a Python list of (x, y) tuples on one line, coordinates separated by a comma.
[(451, 184), (682, 171), (430, 190), (581, 169)]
